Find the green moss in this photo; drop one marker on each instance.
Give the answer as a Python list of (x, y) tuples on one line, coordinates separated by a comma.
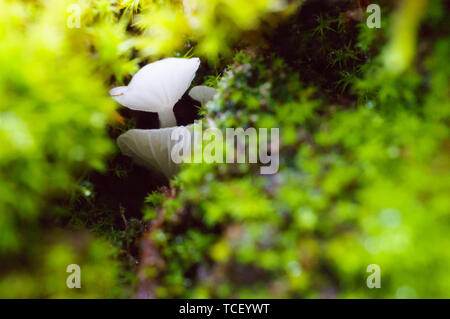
[(364, 170), (357, 185)]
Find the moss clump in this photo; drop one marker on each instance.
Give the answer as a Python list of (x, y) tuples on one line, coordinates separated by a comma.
[(360, 183), (364, 169)]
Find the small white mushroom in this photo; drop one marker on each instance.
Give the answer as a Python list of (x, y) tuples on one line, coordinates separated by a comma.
[(157, 87), (202, 93), (152, 148)]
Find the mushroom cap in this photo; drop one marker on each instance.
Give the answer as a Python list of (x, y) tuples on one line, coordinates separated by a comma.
[(158, 85), (151, 148), (202, 93)]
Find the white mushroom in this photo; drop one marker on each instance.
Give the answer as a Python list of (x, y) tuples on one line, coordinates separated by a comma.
[(157, 87), (202, 93), (152, 148)]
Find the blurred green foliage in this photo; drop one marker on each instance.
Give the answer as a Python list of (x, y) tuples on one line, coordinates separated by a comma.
[(211, 26), (52, 128), (364, 152), (359, 184)]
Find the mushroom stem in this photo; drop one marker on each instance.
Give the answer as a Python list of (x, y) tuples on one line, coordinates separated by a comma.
[(167, 119)]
